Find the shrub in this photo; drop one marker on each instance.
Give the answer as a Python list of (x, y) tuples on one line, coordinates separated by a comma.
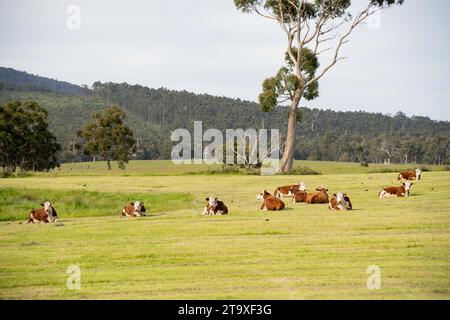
[(302, 171)]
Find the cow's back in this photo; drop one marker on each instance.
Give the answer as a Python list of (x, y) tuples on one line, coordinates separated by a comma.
[(317, 197), (300, 196), (408, 175), (333, 204), (274, 204), (38, 215), (128, 210)]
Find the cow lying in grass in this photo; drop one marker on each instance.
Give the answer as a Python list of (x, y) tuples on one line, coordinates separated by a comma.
[(134, 209), (402, 191), (340, 202), (285, 190), (270, 202), (410, 175), (321, 196), (215, 207), (298, 195), (45, 214)]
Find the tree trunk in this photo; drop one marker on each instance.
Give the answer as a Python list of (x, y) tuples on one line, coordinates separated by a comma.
[(288, 155), (109, 164)]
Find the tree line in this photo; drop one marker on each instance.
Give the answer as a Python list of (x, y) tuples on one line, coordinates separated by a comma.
[(322, 134)]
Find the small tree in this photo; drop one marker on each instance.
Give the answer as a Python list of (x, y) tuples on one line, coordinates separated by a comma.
[(309, 26), (107, 137), (25, 139)]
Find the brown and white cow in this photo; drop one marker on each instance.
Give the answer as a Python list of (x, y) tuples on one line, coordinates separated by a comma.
[(410, 175), (45, 214), (134, 209), (340, 202), (284, 190), (402, 191), (270, 202), (297, 195), (321, 196), (215, 207)]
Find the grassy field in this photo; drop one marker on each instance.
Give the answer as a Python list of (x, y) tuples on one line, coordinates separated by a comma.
[(305, 252), (167, 168)]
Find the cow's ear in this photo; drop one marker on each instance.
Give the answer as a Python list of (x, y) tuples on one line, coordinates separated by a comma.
[(334, 195), (207, 199), (318, 189), (326, 190), (42, 204), (411, 184), (404, 184), (216, 199), (132, 203)]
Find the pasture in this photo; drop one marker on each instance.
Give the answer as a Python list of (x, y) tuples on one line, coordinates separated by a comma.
[(304, 252)]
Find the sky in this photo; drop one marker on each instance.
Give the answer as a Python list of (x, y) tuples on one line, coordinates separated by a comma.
[(398, 62)]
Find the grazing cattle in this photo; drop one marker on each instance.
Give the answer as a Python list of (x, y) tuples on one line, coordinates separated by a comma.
[(45, 214), (402, 191), (297, 195), (284, 190), (340, 202), (321, 196), (270, 202), (410, 175), (134, 209), (215, 207)]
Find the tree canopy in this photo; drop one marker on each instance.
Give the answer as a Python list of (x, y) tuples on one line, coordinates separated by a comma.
[(25, 139), (108, 138)]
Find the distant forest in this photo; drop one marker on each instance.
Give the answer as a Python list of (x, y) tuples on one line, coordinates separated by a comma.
[(153, 113)]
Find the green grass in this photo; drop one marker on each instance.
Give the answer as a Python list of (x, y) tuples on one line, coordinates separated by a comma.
[(17, 203), (168, 168), (305, 252)]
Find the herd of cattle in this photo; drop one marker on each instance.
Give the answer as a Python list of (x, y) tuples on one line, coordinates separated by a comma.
[(298, 192)]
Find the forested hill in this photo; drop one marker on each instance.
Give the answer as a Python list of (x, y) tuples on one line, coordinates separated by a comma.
[(19, 80), (322, 134)]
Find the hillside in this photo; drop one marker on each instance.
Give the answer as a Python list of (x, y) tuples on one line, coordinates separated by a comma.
[(153, 113), (15, 80)]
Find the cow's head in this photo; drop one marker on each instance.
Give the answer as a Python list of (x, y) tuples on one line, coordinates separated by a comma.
[(322, 189), (212, 202), (418, 174), (340, 197), (137, 206), (407, 186), (47, 205), (264, 194), (302, 186)]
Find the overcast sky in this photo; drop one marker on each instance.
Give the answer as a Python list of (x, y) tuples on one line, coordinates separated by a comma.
[(207, 46)]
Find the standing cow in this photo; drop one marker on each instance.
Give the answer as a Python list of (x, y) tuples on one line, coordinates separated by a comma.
[(270, 202), (45, 214), (284, 190), (134, 209), (402, 191), (410, 175)]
